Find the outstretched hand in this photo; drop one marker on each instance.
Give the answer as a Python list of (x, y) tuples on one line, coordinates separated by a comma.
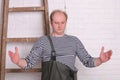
[(14, 56), (105, 56)]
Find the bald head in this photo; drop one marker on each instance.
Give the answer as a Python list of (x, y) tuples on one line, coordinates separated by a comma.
[(58, 12)]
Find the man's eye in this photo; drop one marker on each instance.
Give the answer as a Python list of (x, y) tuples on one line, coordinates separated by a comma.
[(63, 22), (56, 22)]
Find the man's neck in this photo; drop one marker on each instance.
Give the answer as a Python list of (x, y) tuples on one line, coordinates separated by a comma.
[(57, 35)]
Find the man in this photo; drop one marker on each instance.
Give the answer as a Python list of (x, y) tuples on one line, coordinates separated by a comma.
[(67, 47)]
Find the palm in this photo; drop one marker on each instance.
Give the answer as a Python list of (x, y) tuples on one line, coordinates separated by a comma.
[(105, 56), (14, 56)]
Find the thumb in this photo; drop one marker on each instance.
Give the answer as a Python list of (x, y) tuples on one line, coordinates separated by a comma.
[(102, 51), (16, 50)]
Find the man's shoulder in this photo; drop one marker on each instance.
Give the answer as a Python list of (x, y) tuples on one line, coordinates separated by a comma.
[(42, 38), (72, 37)]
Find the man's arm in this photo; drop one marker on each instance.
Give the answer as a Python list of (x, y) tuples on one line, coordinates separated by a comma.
[(97, 61), (104, 57), (21, 62)]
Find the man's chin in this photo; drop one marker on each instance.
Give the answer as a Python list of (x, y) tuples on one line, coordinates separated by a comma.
[(60, 33)]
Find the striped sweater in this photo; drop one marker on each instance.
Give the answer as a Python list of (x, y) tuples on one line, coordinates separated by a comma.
[(66, 47)]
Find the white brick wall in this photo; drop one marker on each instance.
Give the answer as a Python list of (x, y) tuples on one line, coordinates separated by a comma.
[(97, 24)]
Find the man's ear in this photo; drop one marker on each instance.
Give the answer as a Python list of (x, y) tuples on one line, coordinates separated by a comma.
[(51, 23)]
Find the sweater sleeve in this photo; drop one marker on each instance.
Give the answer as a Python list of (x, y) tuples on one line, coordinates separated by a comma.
[(86, 59), (35, 54)]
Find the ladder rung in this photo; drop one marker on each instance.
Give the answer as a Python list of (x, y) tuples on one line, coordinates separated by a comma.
[(26, 9), (22, 70), (21, 39)]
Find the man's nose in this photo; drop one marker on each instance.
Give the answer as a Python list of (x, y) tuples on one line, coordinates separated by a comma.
[(59, 24)]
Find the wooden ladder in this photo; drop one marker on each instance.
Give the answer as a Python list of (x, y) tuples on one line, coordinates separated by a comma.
[(5, 40)]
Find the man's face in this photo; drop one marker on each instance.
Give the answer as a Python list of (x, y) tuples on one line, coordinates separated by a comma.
[(58, 23)]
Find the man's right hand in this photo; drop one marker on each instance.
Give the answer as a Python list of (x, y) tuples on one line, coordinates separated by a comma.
[(14, 56)]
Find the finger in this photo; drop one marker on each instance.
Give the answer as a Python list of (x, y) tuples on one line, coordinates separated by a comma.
[(102, 50), (11, 54), (16, 50), (109, 53)]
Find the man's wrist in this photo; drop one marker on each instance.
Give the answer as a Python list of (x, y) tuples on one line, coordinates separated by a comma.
[(100, 60), (18, 62)]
